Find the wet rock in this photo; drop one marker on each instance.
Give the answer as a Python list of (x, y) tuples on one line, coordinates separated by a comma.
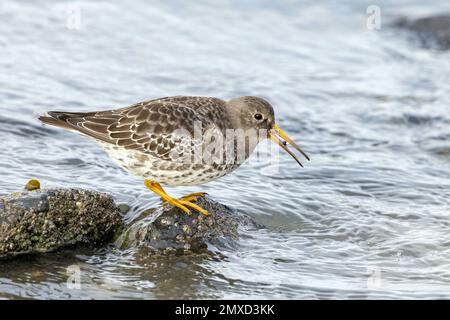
[(432, 31), (47, 220), (123, 208), (168, 230)]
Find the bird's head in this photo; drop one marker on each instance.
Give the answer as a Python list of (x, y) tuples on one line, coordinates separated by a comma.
[(253, 113)]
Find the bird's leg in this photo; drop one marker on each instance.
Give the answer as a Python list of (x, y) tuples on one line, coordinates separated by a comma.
[(179, 203), (156, 188), (192, 196)]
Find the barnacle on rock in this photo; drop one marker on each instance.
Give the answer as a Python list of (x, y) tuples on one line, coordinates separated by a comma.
[(46, 220)]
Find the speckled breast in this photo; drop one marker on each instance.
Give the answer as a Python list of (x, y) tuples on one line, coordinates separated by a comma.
[(167, 172)]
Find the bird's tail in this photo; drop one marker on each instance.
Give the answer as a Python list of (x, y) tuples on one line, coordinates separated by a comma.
[(60, 119)]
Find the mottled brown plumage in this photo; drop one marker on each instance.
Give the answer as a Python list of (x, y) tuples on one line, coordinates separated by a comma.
[(144, 126), (149, 138)]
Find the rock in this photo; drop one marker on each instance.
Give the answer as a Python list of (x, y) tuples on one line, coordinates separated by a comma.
[(123, 208), (167, 230), (433, 31), (47, 220)]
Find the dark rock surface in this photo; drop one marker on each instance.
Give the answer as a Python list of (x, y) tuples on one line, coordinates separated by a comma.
[(432, 31), (169, 230), (47, 220), (42, 221)]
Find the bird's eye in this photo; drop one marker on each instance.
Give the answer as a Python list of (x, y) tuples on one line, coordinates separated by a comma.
[(258, 116)]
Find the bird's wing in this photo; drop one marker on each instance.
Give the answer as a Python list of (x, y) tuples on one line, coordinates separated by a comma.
[(163, 128)]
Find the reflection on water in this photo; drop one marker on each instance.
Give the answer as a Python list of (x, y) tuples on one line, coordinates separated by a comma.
[(366, 218)]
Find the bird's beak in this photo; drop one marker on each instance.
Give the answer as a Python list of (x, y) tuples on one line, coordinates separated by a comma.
[(279, 137)]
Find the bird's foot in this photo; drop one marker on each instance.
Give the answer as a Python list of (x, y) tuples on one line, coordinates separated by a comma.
[(194, 206), (190, 197), (187, 202), (183, 203), (193, 196)]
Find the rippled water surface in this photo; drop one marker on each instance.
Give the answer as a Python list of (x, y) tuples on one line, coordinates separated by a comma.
[(368, 217)]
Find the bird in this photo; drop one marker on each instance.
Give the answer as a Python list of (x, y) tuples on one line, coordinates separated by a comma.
[(165, 140)]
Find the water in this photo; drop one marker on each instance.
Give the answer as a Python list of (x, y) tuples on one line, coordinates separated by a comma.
[(367, 218)]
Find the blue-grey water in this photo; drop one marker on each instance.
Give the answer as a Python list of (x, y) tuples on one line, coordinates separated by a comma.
[(368, 217)]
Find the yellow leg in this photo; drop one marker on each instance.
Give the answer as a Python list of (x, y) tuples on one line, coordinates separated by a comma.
[(192, 196), (156, 188), (157, 185), (179, 203)]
